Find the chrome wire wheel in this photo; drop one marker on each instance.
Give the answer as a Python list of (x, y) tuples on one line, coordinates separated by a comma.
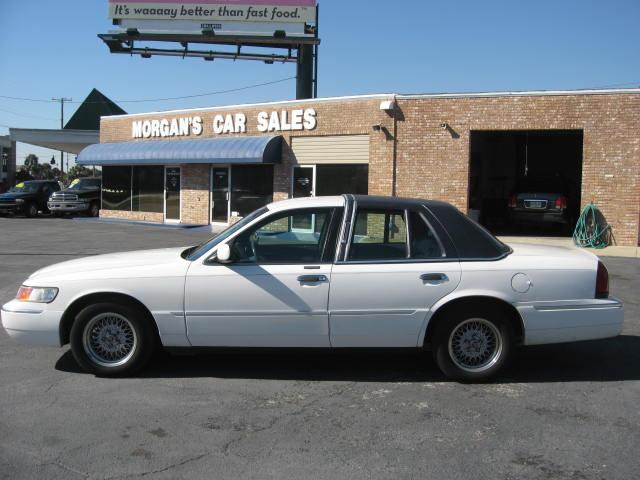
[(109, 339), (475, 345)]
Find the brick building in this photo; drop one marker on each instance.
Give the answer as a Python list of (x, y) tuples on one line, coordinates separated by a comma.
[(473, 150)]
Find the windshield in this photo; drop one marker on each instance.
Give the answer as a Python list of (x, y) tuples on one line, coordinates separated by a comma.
[(25, 187), (196, 252), (80, 183)]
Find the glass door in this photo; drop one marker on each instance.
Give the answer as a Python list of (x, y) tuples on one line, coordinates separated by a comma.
[(304, 183), (172, 194), (220, 177), (304, 180)]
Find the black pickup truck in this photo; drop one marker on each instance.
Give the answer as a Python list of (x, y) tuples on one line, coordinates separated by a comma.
[(28, 197), (82, 195)]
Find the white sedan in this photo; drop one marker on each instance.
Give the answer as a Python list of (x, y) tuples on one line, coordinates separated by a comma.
[(325, 272)]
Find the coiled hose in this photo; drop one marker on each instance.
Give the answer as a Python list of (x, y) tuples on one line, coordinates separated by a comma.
[(592, 230)]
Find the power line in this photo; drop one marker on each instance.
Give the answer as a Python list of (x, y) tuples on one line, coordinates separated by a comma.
[(219, 92), (27, 115)]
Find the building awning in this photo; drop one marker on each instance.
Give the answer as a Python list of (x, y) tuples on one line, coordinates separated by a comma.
[(231, 150)]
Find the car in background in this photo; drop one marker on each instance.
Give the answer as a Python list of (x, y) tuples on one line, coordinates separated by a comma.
[(542, 201), (81, 196), (370, 272), (28, 197)]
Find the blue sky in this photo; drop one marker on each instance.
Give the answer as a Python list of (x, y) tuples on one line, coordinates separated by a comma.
[(50, 49)]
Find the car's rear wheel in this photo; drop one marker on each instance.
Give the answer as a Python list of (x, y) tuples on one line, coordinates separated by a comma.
[(31, 210), (110, 339), (473, 347)]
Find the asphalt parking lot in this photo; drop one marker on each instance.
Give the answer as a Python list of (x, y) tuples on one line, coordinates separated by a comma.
[(566, 411)]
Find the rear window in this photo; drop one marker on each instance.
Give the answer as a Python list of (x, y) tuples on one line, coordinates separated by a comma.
[(471, 240), (540, 185)]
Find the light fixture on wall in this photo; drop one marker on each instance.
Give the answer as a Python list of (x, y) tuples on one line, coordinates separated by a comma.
[(377, 127)]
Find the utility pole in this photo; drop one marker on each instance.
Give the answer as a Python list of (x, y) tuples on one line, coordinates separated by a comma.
[(62, 100)]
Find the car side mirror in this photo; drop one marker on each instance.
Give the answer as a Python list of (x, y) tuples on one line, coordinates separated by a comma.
[(223, 253)]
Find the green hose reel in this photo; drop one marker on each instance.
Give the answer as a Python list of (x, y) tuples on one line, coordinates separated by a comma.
[(592, 230)]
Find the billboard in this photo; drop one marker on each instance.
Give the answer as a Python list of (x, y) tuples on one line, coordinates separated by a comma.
[(259, 17)]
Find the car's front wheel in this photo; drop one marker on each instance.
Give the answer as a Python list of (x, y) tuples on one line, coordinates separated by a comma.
[(473, 347), (31, 210), (111, 340)]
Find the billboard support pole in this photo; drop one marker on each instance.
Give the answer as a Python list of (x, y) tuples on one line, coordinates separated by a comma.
[(315, 54), (304, 74)]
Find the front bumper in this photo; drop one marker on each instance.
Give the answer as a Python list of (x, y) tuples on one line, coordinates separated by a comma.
[(571, 320), (32, 323), (10, 208), (67, 206)]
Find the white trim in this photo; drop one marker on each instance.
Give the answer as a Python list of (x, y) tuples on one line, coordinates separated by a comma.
[(251, 105), (525, 93)]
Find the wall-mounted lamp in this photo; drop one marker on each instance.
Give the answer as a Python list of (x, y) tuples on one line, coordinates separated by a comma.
[(387, 105), (444, 125), (377, 127)]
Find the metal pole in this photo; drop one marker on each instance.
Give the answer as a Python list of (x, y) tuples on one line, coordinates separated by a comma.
[(62, 100), (315, 56)]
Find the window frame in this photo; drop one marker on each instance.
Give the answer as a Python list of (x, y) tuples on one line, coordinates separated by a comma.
[(335, 219), (350, 224)]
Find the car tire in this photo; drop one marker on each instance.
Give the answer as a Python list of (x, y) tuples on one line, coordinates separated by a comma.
[(31, 210), (94, 209), (460, 359), (111, 340)]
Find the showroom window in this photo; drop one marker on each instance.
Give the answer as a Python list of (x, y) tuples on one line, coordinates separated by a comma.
[(148, 189), (339, 179), (251, 188), (116, 188)]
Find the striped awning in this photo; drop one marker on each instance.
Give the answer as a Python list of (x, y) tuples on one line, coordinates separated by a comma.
[(227, 150)]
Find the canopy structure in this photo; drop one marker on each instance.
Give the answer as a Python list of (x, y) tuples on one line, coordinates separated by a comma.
[(228, 150), (81, 130), (71, 141)]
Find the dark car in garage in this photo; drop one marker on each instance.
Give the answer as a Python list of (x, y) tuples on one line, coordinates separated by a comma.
[(28, 197), (542, 201)]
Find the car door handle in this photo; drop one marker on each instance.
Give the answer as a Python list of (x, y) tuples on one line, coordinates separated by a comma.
[(312, 278), (434, 278)]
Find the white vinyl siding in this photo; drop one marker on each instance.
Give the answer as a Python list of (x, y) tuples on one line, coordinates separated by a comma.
[(332, 149)]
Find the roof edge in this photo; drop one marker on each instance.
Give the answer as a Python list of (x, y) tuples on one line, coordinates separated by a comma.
[(404, 96)]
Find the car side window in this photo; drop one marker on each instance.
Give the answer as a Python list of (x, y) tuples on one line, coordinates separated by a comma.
[(379, 235), (46, 189), (294, 237), (424, 243)]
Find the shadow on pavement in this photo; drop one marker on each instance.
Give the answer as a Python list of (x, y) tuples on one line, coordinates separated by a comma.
[(610, 360)]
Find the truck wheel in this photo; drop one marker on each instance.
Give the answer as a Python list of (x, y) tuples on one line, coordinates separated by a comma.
[(110, 339), (94, 209), (31, 210), (473, 347)]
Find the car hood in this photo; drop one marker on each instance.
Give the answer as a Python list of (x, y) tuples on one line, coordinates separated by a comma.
[(144, 262), (14, 195)]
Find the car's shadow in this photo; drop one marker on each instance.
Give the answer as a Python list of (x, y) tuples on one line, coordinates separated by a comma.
[(608, 360)]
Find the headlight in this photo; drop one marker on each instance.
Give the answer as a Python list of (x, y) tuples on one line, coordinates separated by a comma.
[(19, 200), (37, 294)]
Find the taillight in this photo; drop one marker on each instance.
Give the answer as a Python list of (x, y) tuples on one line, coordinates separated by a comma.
[(513, 201), (561, 202), (602, 281)]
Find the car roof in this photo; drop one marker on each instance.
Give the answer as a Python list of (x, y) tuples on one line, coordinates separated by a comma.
[(306, 202), (379, 201)]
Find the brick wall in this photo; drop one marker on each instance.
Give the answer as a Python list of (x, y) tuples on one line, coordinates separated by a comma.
[(137, 216), (432, 162)]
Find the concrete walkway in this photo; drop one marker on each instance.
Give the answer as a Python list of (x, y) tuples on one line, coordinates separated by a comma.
[(613, 251)]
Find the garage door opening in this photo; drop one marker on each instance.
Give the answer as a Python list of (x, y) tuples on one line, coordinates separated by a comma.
[(526, 182)]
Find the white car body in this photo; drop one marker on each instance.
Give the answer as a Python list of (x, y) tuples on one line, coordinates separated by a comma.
[(361, 304)]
